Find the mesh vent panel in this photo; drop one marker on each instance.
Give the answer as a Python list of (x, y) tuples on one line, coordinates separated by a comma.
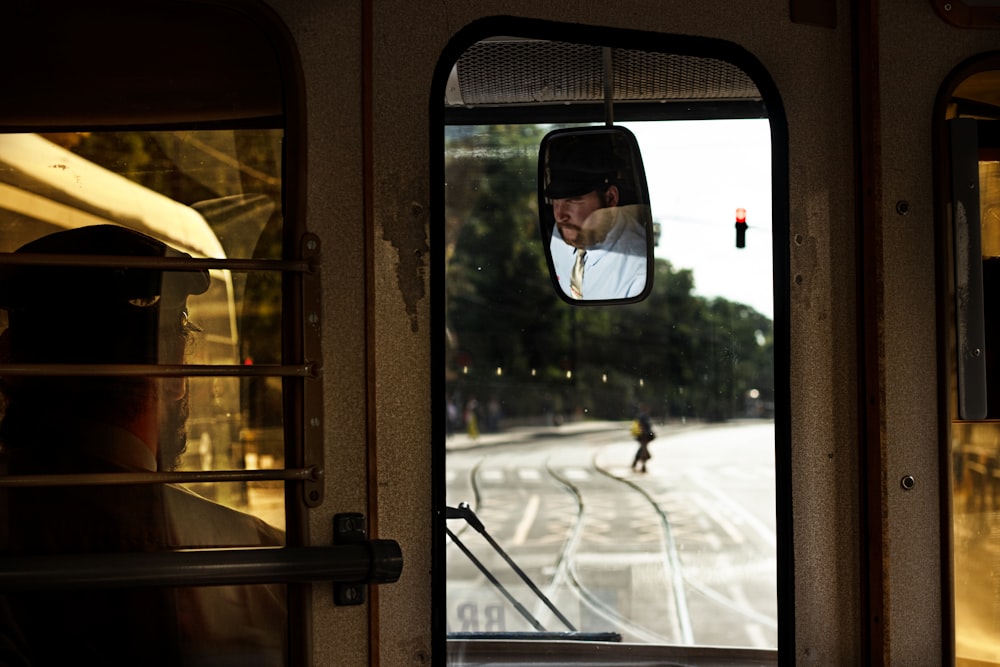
[(536, 72)]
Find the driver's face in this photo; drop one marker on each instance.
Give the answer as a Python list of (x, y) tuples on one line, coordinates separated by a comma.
[(570, 212)]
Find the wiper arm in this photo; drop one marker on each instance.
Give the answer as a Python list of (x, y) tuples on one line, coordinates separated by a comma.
[(463, 511)]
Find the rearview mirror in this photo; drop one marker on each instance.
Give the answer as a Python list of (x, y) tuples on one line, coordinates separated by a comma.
[(595, 220)]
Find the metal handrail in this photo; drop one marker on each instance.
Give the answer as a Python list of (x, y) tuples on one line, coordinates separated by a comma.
[(161, 263), (310, 474), (372, 561), (160, 370)]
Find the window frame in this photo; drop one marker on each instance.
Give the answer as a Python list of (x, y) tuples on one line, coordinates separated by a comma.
[(977, 104), (440, 117)]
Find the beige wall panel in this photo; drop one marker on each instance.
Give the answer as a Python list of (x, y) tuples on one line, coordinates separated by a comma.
[(927, 49), (810, 67), (328, 36)]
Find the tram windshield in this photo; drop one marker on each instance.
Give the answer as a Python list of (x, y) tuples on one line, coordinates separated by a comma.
[(610, 469)]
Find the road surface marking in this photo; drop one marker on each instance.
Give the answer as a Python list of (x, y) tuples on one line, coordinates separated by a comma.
[(527, 519)]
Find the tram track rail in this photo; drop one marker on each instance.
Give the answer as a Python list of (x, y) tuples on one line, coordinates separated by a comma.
[(682, 579), (566, 578), (566, 570)]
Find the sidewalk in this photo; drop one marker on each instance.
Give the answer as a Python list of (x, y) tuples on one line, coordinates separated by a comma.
[(529, 434)]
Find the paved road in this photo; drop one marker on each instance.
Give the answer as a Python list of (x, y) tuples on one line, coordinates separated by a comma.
[(684, 554)]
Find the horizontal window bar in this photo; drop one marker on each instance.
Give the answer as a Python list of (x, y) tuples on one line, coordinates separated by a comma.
[(492, 650), (180, 477), (162, 263), (373, 561), (308, 369)]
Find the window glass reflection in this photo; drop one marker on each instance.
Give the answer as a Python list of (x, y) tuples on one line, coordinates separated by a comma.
[(140, 194), (975, 482), (210, 194)]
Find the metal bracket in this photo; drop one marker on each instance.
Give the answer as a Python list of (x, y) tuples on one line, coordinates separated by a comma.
[(352, 528), (312, 433)]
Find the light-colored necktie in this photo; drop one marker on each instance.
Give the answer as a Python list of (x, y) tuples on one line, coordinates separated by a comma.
[(576, 277)]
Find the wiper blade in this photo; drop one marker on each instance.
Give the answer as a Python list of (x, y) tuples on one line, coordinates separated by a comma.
[(463, 511)]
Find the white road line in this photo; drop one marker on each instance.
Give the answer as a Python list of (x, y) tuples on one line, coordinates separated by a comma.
[(492, 475), (720, 520), (529, 474), (527, 519), (734, 507)]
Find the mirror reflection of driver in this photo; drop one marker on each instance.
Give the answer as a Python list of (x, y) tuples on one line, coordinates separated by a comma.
[(599, 239)]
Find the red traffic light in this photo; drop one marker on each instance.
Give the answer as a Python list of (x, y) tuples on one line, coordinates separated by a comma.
[(741, 228)]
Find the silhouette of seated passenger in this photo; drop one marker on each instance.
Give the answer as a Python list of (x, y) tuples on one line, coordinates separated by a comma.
[(106, 423)]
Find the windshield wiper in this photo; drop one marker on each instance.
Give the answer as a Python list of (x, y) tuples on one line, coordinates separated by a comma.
[(463, 511)]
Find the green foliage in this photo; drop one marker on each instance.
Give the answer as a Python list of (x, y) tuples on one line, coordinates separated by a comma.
[(510, 338)]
